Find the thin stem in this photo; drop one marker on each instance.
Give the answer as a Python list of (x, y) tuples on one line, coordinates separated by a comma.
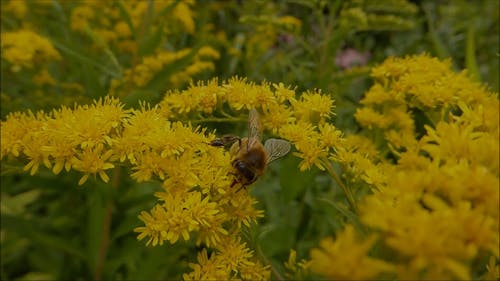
[(346, 190), (266, 261), (103, 250)]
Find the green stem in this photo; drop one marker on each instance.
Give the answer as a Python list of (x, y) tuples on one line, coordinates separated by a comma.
[(266, 261), (346, 190), (106, 226), (439, 47), (470, 54)]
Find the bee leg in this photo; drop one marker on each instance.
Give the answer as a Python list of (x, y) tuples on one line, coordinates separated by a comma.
[(225, 140), (230, 139), (242, 186), (234, 183)]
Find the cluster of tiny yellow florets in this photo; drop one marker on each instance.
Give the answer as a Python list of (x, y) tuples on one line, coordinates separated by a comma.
[(78, 138), (197, 200), (107, 20), (302, 120), (436, 208), (141, 74), (24, 49)]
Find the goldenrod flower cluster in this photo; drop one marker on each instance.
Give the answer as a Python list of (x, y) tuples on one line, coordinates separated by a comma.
[(24, 49), (197, 200), (141, 74), (435, 209), (16, 8), (266, 32), (301, 120), (79, 138), (107, 20), (431, 211)]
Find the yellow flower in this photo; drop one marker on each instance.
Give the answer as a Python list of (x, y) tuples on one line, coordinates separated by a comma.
[(25, 49), (16, 7), (179, 215), (290, 22), (443, 184), (208, 52), (234, 253), (296, 270), (15, 129), (330, 136), (311, 152), (370, 118), (207, 268), (143, 73), (284, 94), (182, 12), (242, 94), (493, 269), (313, 107), (277, 116), (346, 258), (80, 17), (91, 161), (65, 138), (123, 30), (44, 78)]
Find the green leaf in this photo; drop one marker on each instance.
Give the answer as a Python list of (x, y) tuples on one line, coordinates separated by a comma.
[(167, 9), (35, 276), (344, 210), (97, 215), (161, 77), (84, 59), (126, 17), (294, 182), (15, 205), (150, 42), (470, 53), (31, 230), (276, 239)]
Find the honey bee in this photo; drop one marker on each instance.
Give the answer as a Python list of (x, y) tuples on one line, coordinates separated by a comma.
[(250, 156)]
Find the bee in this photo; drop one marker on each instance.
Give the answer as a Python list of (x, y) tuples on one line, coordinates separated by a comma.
[(250, 156)]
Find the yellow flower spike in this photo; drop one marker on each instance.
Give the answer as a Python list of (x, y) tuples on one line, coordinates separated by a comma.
[(182, 12), (311, 152), (208, 268), (17, 8), (313, 107), (346, 257), (25, 49), (330, 136)]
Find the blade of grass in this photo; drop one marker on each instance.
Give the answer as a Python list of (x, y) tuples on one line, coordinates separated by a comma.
[(85, 59), (470, 54), (126, 17), (30, 230)]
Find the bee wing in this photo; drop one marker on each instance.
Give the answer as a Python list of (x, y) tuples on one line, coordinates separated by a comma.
[(276, 148), (254, 128)]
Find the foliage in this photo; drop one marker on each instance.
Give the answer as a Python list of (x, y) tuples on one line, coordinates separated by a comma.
[(108, 109)]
